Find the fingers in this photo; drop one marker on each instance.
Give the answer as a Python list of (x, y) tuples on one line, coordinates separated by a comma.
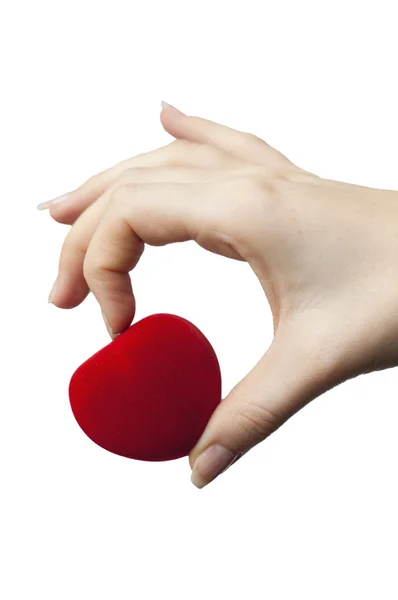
[(200, 144), (243, 146), (157, 214), (71, 287), (69, 207), (283, 381)]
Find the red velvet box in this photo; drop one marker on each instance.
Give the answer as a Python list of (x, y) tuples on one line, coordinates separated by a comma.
[(148, 394)]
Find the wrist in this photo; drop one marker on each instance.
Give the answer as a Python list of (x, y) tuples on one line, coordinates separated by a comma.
[(382, 289)]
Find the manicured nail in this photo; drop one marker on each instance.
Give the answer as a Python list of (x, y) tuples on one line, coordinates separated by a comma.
[(109, 330), (170, 107), (49, 203), (212, 462), (233, 461), (52, 292)]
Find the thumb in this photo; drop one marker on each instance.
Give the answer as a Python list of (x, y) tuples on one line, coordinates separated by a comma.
[(283, 381)]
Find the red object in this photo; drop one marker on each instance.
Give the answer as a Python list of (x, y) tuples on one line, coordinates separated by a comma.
[(149, 393)]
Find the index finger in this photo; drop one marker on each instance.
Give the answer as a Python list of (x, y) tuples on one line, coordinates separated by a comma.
[(154, 213)]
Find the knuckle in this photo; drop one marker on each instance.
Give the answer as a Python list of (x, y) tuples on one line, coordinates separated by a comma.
[(255, 421), (125, 179), (93, 185), (263, 185), (121, 194), (94, 269), (249, 202), (134, 174), (251, 198), (91, 182), (266, 191), (254, 186), (180, 148), (281, 175), (181, 144), (251, 137), (194, 153), (96, 265), (72, 248), (88, 267)]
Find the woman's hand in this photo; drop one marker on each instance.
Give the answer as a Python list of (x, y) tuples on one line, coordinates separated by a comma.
[(326, 254)]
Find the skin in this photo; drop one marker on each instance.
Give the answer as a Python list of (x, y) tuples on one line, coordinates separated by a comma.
[(325, 253)]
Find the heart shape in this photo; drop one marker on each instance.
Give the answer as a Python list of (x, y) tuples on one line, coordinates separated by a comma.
[(148, 394)]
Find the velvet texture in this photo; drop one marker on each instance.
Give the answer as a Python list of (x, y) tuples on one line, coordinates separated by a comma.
[(148, 394)]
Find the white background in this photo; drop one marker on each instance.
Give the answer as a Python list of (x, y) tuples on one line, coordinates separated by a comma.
[(312, 512)]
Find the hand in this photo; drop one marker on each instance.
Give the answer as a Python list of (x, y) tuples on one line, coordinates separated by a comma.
[(326, 254)]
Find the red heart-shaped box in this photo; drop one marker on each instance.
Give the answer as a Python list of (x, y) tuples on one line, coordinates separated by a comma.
[(148, 394)]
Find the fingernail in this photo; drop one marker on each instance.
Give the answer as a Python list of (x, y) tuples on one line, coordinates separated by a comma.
[(52, 292), (109, 330), (233, 461), (212, 462), (169, 106), (49, 203)]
